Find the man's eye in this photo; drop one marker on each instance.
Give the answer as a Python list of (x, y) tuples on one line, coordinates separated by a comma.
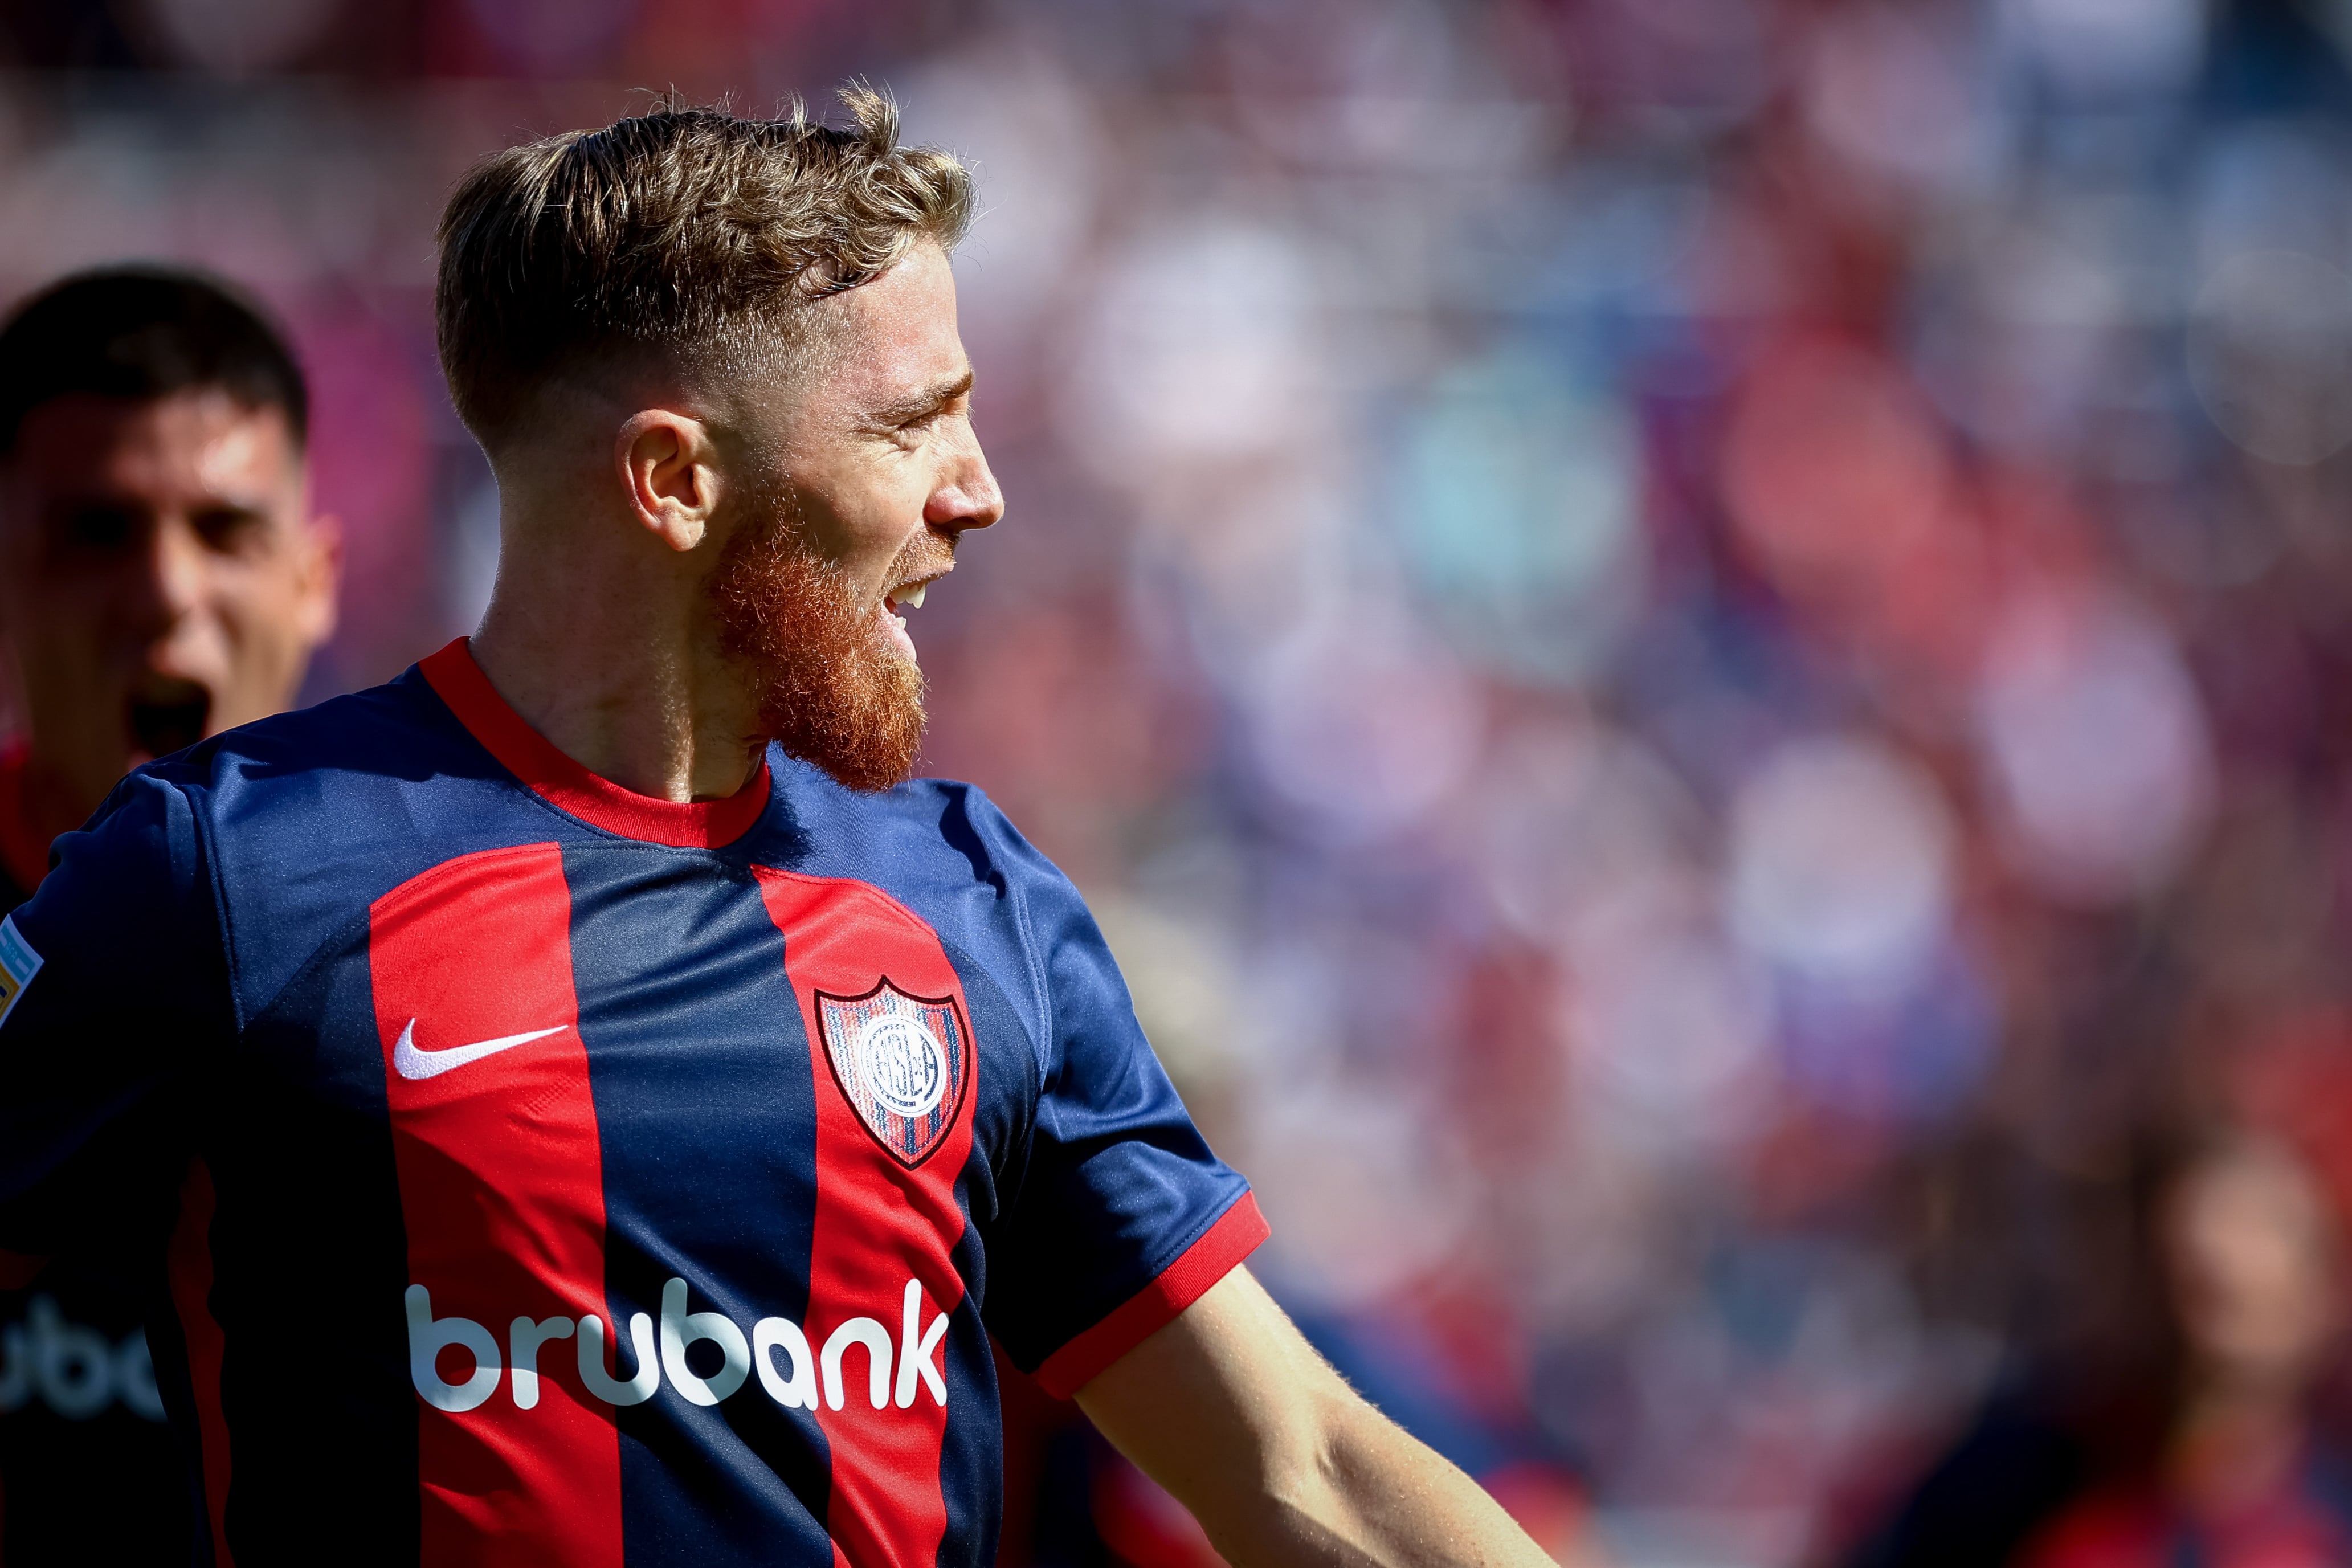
[(227, 529), (952, 408), (97, 529)]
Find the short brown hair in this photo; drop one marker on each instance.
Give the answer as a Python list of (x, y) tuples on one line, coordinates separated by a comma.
[(672, 231), (144, 333)]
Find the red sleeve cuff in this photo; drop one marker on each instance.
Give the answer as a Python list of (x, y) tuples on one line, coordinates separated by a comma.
[(1219, 1251)]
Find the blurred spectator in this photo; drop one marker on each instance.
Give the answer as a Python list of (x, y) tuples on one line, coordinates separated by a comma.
[(2213, 1434)]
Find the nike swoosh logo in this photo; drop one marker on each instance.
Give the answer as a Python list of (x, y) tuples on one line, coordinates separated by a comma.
[(412, 1063)]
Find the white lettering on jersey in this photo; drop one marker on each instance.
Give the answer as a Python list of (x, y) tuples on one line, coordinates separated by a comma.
[(680, 1328), (524, 1336), (656, 1353), (796, 1390), (914, 1354), (638, 1388), (877, 1340), (428, 1336), (75, 1371)]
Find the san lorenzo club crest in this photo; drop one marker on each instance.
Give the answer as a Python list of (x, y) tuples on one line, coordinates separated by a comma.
[(901, 1060)]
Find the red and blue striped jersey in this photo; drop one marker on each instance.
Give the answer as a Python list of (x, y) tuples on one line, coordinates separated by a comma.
[(542, 1173)]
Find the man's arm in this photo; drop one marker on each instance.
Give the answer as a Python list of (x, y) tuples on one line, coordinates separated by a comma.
[(118, 984), (1232, 1410)]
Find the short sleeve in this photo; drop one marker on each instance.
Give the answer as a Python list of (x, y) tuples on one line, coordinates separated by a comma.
[(116, 994), (1122, 1217)]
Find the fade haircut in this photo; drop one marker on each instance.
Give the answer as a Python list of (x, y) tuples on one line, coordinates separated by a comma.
[(686, 232), (142, 333)]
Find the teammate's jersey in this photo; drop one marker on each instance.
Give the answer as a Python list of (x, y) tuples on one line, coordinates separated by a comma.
[(564, 1176), (89, 1472)]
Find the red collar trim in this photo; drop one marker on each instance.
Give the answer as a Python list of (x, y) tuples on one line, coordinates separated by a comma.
[(23, 853), (534, 759)]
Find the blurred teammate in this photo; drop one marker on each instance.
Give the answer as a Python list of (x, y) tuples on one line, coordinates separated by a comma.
[(161, 580), (624, 1110)]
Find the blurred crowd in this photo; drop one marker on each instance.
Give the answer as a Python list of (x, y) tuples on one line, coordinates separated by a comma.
[(1696, 652)]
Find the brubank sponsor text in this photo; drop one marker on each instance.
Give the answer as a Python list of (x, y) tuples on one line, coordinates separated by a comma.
[(776, 1350)]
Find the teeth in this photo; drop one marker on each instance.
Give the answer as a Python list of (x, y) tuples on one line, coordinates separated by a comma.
[(914, 601)]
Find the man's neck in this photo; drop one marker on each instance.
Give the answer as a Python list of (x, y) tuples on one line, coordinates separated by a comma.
[(2236, 1444), (615, 667), (37, 804)]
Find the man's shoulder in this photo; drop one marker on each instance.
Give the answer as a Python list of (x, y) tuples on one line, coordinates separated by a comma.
[(927, 833), (304, 819), (249, 784), (388, 767), (395, 728), (944, 852)]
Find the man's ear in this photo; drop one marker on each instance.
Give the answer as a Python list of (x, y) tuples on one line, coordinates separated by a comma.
[(668, 465), (322, 579)]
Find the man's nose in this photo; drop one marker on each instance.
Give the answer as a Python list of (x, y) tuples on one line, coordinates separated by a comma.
[(170, 576), (967, 496)]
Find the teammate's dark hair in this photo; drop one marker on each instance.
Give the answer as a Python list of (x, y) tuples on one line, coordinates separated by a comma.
[(673, 231), (144, 333)]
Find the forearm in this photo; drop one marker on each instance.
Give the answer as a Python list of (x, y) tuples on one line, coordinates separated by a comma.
[(1235, 1414), (1372, 1495)]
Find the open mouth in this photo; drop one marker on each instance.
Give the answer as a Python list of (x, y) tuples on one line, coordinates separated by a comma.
[(905, 596), (166, 715)]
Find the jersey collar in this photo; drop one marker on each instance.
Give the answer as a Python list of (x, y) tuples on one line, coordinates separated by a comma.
[(535, 761)]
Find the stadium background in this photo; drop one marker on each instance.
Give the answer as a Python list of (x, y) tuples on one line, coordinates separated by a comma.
[(1696, 649)]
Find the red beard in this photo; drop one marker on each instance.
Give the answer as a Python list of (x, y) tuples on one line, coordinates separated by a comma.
[(831, 686)]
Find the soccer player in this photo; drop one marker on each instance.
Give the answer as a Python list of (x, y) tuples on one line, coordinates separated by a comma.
[(161, 579), (623, 1108)]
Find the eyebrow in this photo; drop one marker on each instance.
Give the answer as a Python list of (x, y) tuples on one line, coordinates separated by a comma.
[(65, 509), (125, 500), (242, 511), (929, 400)]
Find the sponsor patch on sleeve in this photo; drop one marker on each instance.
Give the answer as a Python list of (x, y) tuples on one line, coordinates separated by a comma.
[(18, 965)]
